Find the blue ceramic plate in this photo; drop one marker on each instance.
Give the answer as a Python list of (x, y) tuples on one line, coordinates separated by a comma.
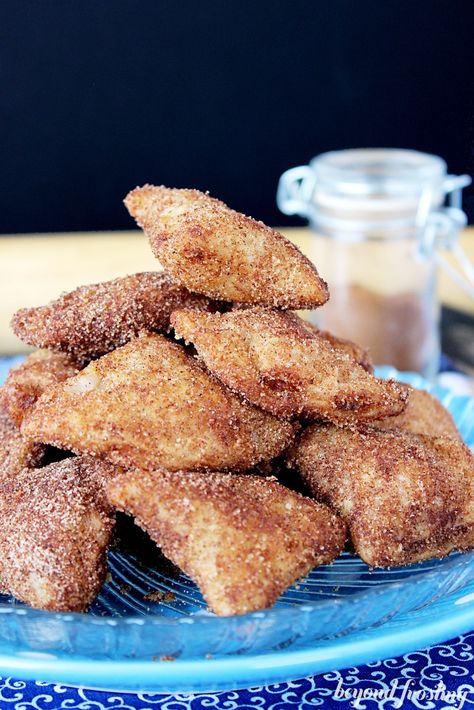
[(150, 629)]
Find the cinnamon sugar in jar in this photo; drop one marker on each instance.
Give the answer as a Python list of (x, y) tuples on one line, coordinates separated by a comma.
[(379, 220)]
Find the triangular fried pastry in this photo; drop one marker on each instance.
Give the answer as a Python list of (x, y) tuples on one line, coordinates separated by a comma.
[(26, 382), (56, 526), (276, 362), (242, 539), (404, 497), (424, 414), (95, 319), (213, 250), (150, 404)]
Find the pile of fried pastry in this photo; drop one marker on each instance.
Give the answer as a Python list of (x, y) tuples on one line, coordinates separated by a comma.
[(184, 397)]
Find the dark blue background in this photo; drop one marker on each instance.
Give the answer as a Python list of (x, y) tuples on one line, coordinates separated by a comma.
[(100, 95)]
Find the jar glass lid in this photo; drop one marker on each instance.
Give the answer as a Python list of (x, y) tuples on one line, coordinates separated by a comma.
[(378, 172)]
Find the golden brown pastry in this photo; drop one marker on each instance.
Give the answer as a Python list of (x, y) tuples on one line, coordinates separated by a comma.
[(26, 382), (277, 363), (424, 414), (56, 526), (149, 404), (356, 352), (223, 254), (95, 319), (243, 539), (15, 452), (404, 497)]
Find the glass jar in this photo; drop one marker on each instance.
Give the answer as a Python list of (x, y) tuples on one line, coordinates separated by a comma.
[(380, 221)]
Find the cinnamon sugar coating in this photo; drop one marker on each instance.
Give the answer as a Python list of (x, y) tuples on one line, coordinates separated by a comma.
[(404, 497), (15, 451), (213, 250), (149, 404), (277, 363), (26, 382), (424, 414), (93, 320), (356, 352), (243, 539), (56, 526)]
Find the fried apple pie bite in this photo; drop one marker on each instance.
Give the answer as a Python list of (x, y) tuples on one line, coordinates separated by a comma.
[(242, 539), (26, 382), (56, 526), (95, 319), (424, 414), (213, 250), (273, 360), (404, 497), (150, 404)]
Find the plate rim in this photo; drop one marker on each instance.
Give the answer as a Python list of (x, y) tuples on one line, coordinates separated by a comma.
[(248, 670)]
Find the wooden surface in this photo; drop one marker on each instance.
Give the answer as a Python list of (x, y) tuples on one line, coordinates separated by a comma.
[(36, 268)]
